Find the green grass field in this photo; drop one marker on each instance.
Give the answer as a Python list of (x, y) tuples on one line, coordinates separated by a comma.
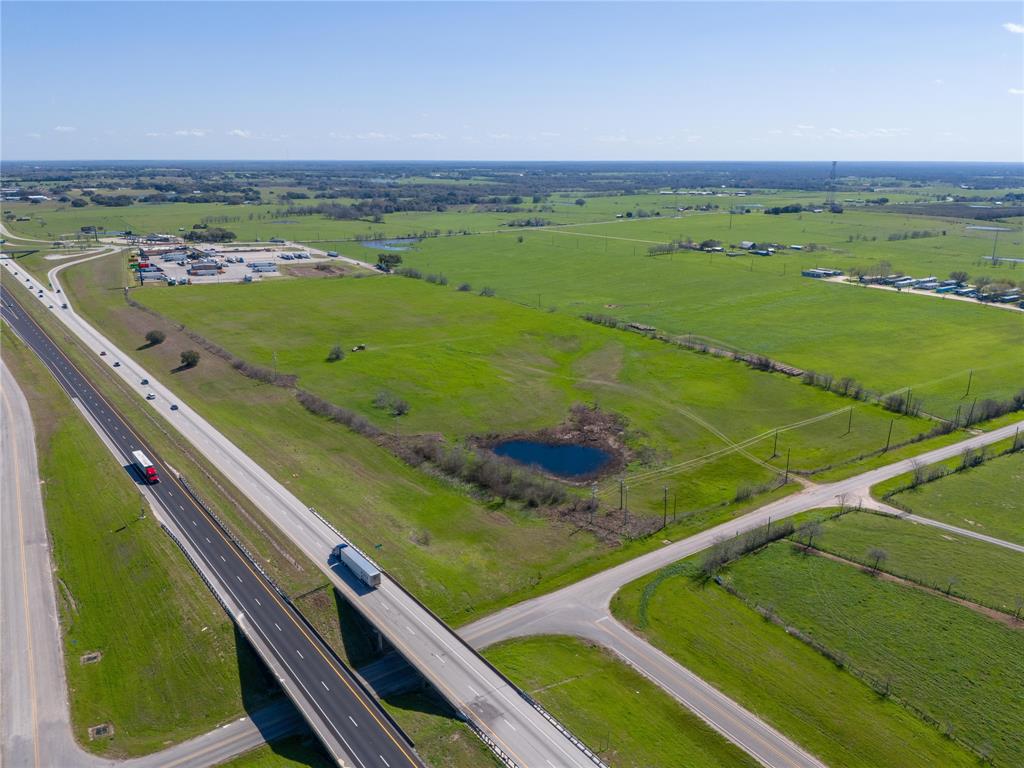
[(988, 499), (292, 752), (980, 572), (761, 305), (596, 263), (172, 665), (960, 669), (429, 724), (471, 365), (622, 715), (444, 544), (823, 708)]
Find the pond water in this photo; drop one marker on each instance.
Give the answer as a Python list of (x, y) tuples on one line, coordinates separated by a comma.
[(569, 461), (390, 245)]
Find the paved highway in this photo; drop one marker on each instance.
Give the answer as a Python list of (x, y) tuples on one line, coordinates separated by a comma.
[(498, 711), (353, 728), (35, 727), (582, 609)]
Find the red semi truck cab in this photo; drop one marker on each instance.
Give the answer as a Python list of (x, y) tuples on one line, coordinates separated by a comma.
[(145, 467)]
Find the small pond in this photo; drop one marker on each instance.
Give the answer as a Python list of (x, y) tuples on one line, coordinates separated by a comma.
[(569, 461), (390, 245)]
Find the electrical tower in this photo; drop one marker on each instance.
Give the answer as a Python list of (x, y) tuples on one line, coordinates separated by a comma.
[(830, 197)]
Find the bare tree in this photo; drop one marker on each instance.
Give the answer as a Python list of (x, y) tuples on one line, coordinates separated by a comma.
[(809, 531), (878, 556)]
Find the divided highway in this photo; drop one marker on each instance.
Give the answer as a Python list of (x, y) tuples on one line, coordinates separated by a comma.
[(514, 726), (351, 725)]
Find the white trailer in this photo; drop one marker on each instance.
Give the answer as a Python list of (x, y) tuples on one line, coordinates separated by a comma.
[(364, 570)]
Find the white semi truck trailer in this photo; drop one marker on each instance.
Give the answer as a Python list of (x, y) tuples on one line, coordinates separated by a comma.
[(364, 570)]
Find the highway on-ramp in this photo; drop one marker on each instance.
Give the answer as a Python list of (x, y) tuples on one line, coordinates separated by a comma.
[(347, 719)]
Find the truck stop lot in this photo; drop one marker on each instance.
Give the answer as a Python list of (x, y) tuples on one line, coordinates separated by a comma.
[(230, 271)]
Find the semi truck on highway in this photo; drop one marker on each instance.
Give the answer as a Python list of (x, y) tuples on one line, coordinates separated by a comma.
[(364, 570), (145, 467)]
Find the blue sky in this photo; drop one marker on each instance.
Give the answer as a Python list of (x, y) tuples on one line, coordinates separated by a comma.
[(507, 81)]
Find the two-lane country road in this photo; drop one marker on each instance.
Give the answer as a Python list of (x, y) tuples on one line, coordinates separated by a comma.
[(583, 609)]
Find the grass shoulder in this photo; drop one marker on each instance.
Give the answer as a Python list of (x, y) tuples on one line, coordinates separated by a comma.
[(125, 591), (626, 718)]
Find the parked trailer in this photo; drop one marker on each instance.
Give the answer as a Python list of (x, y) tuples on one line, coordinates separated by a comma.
[(364, 570), (145, 467)]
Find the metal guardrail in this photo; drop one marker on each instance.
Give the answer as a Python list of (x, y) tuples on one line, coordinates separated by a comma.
[(578, 743), (228, 532), (198, 570), (501, 754)]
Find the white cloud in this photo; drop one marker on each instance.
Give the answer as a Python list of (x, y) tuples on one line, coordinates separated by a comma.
[(499, 136), (376, 136), (428, 136), (618, 139), (241, 133), (938, 81), (65, 129), (811, 132), (549, 134), (1017, 29), (191, 132), (1017, 91), (342, 136), (154, 134), (34, 135)]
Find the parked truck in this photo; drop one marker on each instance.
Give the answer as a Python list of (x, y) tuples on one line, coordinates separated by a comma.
[(145, 467), (364, 570)]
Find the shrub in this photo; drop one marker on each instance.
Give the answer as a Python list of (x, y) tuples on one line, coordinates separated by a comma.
[(464, 287), (155, 337), (189, 358), (393, 404), (487, 291), (336, 353)]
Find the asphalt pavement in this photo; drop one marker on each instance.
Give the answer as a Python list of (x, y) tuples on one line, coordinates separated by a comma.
[(35, 727), (583, 609), (354, 729), (501, 714)]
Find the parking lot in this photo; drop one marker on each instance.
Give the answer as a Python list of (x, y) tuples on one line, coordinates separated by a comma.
[(234, 264)]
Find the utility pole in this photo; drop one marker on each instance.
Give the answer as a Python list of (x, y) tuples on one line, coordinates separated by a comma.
[(664, 510), (889, 438), (625, 508), (622, 485), (970, 414), (849, 423), (970, 379), (956, 418), (673, 507), (786, 478), (775, 448), (593, 502)]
